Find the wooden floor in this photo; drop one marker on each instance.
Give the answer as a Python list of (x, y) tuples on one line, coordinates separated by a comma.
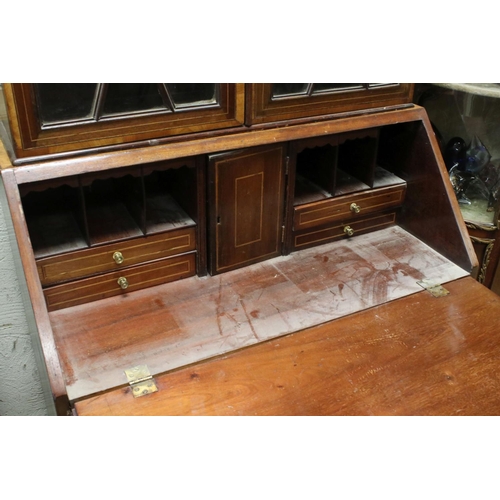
[(418, 355), (177, 324)]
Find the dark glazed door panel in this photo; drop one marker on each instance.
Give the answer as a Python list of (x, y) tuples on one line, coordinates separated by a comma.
[(247, 199)]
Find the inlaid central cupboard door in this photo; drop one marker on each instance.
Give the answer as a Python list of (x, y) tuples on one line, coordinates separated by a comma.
[(246, 206)]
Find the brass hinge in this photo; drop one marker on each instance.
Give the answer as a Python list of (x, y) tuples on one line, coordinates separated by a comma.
[(141, 381), (435, 289), (282, 234), (287, 161)]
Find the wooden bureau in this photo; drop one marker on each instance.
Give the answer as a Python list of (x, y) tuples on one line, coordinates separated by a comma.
[(195, 257)]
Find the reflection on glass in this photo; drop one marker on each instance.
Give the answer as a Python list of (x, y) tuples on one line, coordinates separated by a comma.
[(124, 98), (185, 95), (282, 89), (62, 102), (335, 87), (372, 85)]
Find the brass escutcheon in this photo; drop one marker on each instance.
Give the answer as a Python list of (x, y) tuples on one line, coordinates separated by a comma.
[(355, 208), (348, 230), (123, 282), (118, 257)]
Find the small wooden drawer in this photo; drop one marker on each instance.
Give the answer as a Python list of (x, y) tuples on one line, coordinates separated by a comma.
[(83, 263), (120, 282), (347, 207), (343, 230)]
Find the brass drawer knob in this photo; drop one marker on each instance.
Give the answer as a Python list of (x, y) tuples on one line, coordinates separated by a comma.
[(123, 282), (118, 257), (355, 208), (348, 230)]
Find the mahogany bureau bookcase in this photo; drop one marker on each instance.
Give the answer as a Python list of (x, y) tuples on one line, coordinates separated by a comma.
[(167, 230)]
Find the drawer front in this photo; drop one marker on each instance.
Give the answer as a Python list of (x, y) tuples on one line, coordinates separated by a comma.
[(347, 207), (102, 259), (120, 282), (338, 231)]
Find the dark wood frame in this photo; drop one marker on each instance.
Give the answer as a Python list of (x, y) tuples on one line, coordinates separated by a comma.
[(261, 108), (486, 242), (29, 139)]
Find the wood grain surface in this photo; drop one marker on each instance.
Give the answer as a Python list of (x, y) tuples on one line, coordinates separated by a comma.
[(143, 155), (418, 355), (184, 322)]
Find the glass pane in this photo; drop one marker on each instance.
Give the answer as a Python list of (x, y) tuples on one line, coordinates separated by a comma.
[(336, 87), (185, 95), (371, 85), (282, 89), (124, 98), (63, 102)]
